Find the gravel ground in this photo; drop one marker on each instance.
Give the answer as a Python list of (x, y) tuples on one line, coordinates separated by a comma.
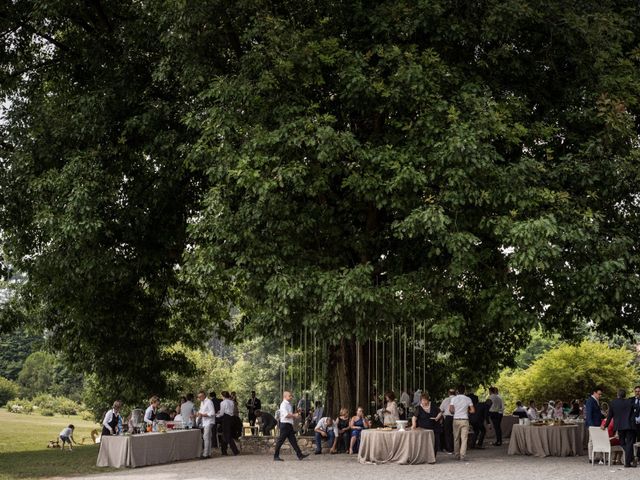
[(492, 462)]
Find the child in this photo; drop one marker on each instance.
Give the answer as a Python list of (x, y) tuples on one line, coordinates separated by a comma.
[(66, 435)]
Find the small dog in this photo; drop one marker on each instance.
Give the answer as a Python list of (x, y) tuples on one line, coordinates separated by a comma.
[(54, 444)]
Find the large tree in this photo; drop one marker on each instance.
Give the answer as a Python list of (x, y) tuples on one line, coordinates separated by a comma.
[(94, 192), (343, 167), (471, 164)]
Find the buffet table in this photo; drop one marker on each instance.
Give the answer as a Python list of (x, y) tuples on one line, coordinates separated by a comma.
[(410, 447), (546, 441), (149, 448)]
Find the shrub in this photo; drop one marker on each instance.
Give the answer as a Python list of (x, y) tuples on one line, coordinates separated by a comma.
[(8, 390), (61, 405), (19, 405), (45, 412)]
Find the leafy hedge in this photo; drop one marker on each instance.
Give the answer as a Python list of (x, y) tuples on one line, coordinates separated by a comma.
[(8, 390)]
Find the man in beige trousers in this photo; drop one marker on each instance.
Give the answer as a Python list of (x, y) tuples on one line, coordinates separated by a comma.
[(461, 406)]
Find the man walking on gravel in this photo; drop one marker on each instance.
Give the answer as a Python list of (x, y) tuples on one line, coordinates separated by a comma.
[(286, 428)]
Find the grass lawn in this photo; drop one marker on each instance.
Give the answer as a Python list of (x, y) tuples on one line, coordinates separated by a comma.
[(24, 453)]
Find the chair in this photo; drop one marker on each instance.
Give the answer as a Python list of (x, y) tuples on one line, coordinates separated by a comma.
[(601, 443)]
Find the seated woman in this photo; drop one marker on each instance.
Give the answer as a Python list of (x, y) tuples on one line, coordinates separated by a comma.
[(558, 410), (390, 412), (520, 411), (428, 416), (178, 417), (343, 432), (614, 441), (532, 411), (357, 424)]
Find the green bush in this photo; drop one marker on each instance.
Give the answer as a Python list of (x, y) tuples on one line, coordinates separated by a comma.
[(60, 405), (45, 412), (19, 405), (569, 372), (8, 390)]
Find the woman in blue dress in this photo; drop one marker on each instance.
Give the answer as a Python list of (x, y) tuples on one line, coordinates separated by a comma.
[(357, 424)]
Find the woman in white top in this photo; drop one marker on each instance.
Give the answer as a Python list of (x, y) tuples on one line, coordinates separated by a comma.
[(390, 412)]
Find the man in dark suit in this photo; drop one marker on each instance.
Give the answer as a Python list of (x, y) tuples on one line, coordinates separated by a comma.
[(593, 414), (478, 420), (621, 411)]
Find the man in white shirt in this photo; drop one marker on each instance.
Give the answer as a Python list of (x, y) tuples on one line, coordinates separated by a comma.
[(495, 414), (227, 409), (324, 429), (461, 406), (187, 410), (448, 422), (286, 428), (207, 416)]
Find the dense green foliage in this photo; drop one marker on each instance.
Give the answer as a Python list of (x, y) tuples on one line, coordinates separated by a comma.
[(569, 372), (44, 373), (14, 349), (8, 390), (339, 166)]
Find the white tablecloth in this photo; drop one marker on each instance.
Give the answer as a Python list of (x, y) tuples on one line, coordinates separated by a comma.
[(149, 448)]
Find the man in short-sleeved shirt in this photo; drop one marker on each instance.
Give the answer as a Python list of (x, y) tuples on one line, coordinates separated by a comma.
[(461, 406), (324, 429)]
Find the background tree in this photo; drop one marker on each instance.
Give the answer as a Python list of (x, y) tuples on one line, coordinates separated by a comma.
[(569, 372)]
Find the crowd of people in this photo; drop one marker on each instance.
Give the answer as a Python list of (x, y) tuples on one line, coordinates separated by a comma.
[(452, 420)]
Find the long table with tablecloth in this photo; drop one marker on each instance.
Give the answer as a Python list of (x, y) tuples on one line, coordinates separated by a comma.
[(149, 448), (546, 441), (410, 447)]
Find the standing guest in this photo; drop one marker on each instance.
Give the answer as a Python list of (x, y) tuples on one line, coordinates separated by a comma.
[(461, 406), (551, 409), (357, 424), (318, 413), (304, 406), (267, 422), (253, 404), (621, 411), (226, 414), (111, 419), (636, 410), (286, 419), (478, 419), (342, 432), (187, 410), (216, 401), (448, 422), (593, 414), (66, 436), (207, 417), (390, 412), (405, 398), (428, 416), (150, 412), (324, 430), (234, 398), (495, 414), (532, 411)]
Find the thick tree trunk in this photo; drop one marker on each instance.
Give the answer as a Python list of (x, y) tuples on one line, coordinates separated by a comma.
[(347, 382)]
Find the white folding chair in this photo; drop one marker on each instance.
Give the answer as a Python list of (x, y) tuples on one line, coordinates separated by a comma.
[(601, 443)]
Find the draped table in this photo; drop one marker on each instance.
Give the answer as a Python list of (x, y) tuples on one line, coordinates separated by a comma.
[(410, 447), (546, 441), (149, 448)]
